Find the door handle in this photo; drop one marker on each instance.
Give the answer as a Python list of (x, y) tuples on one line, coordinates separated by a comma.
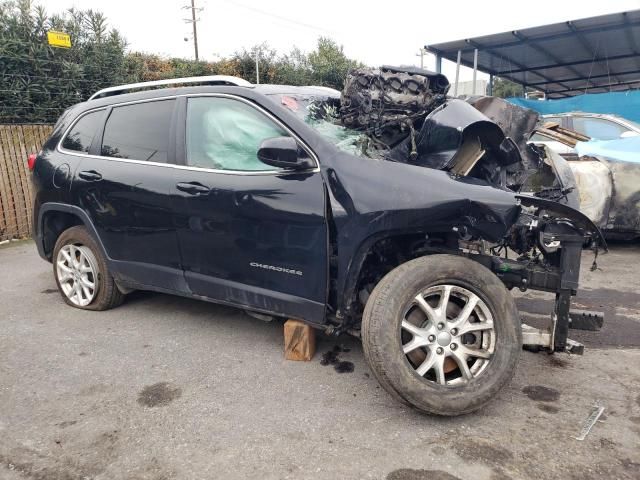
[(90, 175), (193, 188)]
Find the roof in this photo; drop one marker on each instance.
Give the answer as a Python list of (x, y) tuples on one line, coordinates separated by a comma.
[(271, 89), (171, 83), (205, 80), (596, 54), (252, 92)]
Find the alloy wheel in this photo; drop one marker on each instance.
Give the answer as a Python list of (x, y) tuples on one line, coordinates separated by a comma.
[(76, 269), (447, 335)]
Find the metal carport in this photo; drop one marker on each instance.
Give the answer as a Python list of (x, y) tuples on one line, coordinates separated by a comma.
[(597, 54)]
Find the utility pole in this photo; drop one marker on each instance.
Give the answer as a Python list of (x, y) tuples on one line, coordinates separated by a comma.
[(195, 29), (421, 53), (193, 20)]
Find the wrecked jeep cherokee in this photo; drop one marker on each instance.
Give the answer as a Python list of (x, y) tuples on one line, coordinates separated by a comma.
[(266, 198)]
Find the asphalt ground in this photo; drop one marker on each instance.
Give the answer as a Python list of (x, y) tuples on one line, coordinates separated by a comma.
[(170, 388)]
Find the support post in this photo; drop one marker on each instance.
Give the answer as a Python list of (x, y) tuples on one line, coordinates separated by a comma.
[(490, 87), (257, 67), (570, 268), (455, 86), (299, 341), (438, 63), (475, 70)]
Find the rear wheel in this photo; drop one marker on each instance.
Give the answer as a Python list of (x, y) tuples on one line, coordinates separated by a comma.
[(81, 272), (442, 334)]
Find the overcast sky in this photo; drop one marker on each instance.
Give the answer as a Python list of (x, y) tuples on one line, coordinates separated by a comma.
[(374, 32)]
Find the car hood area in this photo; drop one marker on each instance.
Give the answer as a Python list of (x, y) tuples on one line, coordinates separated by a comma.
[(400, 197), (403, 115), (405, 157)]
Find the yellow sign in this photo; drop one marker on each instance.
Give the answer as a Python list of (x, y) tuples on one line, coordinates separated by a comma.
[(59, 39)]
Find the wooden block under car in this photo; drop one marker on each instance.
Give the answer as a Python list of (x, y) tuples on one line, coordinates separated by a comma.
[(299, 341)]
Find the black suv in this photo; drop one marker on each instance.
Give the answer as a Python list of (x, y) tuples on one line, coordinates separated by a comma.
[(249, 196)]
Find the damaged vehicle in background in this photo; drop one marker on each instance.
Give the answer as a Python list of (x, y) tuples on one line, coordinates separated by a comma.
[(390, 212), (606, 167)]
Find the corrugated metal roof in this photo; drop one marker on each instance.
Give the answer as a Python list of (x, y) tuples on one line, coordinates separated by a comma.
[(596, 54)]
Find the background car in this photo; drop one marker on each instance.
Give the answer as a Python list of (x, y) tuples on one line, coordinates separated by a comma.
[(598, 126)]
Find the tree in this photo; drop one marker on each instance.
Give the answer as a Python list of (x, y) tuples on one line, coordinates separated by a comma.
[(504, 88), (329, 64), (294, 68), (38, 81), (245, 61)]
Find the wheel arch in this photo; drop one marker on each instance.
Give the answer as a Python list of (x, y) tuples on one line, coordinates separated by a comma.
[(404, 247), (53, 219)]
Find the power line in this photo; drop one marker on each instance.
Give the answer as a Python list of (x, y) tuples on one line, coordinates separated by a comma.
[(279, 17)]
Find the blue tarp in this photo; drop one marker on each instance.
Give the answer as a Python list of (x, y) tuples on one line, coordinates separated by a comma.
[(624, 149), (623, 104)]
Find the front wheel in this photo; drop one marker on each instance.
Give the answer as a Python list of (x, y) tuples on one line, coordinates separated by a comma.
[(442, 334)]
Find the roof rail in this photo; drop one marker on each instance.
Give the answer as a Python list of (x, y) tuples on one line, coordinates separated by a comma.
[(208, 79)]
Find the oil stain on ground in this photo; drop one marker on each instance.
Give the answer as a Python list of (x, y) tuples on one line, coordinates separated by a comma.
[(331, 357), (558, 362), (480, 450), (158, 394), (344, 367), (541, 393), (411, 474), (547, 408), (67, 423)]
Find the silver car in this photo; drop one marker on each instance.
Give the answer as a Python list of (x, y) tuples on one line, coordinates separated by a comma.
[(608, 186)]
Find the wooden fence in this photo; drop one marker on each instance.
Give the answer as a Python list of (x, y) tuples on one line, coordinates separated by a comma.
[(16, 191)]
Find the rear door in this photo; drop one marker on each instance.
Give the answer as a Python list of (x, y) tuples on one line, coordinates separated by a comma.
[(250, 234), (124, 186)]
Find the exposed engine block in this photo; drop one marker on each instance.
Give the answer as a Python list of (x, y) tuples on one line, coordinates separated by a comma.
[(385, 102)]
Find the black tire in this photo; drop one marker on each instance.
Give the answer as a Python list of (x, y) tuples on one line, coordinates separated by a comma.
[(106, 295), (382, 343)]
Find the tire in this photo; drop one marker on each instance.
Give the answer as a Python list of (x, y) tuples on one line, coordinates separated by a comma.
[(394, 320), (87, 267)]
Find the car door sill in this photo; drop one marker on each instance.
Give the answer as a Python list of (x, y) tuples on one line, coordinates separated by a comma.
[(259, 299)]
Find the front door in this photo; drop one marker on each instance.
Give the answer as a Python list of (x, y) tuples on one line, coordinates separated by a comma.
[(250, 235)]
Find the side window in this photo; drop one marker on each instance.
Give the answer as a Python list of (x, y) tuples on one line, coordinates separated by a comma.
[(598, 128), (225, 134), (81, 134), (139, 131)]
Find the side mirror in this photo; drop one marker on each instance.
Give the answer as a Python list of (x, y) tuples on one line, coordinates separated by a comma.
[(283, 152)]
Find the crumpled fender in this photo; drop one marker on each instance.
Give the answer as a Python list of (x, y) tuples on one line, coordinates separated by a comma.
[(565, 177), (443, 132)]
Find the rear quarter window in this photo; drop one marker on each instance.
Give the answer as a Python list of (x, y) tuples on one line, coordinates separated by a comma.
[(83, 131)]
